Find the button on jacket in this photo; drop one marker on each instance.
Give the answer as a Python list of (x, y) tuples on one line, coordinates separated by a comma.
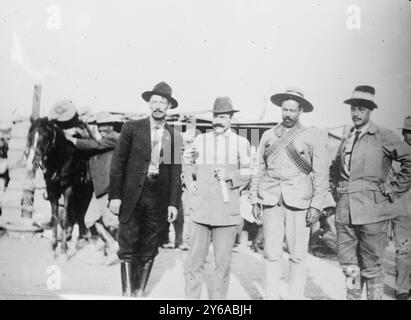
[(282, 177), (361, 201)]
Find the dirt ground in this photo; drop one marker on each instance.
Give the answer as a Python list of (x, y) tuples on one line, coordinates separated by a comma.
[(28, 270)]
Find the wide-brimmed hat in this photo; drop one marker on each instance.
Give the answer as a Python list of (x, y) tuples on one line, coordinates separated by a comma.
[(223, 105), (63, 110), (161, 89), (364, 96), (407, 124), (292, 94)]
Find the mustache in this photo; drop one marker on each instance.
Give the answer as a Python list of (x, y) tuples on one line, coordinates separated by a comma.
[(287, 118), (217, 125)]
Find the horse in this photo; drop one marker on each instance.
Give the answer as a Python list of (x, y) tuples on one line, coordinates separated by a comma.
[(65, 173)]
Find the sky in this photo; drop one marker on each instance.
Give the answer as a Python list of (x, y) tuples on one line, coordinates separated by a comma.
[(104, 54)]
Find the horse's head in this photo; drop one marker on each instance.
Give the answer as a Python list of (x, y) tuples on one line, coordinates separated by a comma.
[(40, 140)]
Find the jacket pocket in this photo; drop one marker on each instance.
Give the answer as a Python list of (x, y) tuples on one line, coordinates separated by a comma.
[(379, 197)]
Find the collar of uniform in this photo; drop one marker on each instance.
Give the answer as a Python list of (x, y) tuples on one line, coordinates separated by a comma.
[(280, 129), (370, 128), (153, 124)]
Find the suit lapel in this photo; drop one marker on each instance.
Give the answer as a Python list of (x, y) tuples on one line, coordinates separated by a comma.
[(145, 134)]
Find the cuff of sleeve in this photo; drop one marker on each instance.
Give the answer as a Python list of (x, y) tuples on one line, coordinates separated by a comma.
[(317, 204)]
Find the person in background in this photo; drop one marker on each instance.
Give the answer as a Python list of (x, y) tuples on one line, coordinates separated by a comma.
[(98, 217), (5, 131), (401, 226)]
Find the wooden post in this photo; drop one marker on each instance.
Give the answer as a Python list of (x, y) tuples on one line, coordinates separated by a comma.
[(28, 194), (35, 111)]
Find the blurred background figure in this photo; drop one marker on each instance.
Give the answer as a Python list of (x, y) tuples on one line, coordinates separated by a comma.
[(401, 227), (101, 222), (5, 134)]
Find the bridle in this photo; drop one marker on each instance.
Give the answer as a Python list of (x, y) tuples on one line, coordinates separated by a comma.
[(50, 145)]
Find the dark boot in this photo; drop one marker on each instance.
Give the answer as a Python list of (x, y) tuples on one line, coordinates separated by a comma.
[(144, 270), (375, 288), (129, 278)]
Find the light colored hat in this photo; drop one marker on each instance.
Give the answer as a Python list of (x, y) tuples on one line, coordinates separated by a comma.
[(63, 110), (407, 124), (364, 96), (292, 94)]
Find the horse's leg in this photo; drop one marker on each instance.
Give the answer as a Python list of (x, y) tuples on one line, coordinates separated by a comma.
[(64, 221), (84, 202), (54, 223)]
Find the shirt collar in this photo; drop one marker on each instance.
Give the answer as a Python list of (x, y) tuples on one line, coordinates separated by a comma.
[(153, 124), (367, 128)]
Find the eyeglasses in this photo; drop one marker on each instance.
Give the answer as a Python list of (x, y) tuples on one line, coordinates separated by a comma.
[(158, 102)]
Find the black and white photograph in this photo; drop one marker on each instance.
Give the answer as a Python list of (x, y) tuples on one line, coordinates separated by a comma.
[(225, 150)]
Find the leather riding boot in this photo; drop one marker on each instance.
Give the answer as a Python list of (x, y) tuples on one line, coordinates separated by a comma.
[(129, 278), (144, 271), (375, 288)]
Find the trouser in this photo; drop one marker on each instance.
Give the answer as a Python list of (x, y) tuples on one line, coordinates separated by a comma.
[(281, 222), (402, 236), (223, 241), (362, 246), (139, 237)]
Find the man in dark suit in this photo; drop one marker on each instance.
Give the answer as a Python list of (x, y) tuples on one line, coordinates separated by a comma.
[(145, 187)]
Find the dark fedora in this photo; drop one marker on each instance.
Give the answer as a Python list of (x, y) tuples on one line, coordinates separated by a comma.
[(292, 94), (161, 89), (223, 105), (362, 96)]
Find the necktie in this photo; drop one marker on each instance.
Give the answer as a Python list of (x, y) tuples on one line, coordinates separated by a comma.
[(357, 135), (155, 148)]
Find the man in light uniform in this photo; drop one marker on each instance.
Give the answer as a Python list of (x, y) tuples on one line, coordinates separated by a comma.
[(289, 190)]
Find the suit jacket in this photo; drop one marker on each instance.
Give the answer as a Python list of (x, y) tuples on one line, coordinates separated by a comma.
[(281, 179), (130, 163), (229, 151), (360, 200), (101, 153)]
